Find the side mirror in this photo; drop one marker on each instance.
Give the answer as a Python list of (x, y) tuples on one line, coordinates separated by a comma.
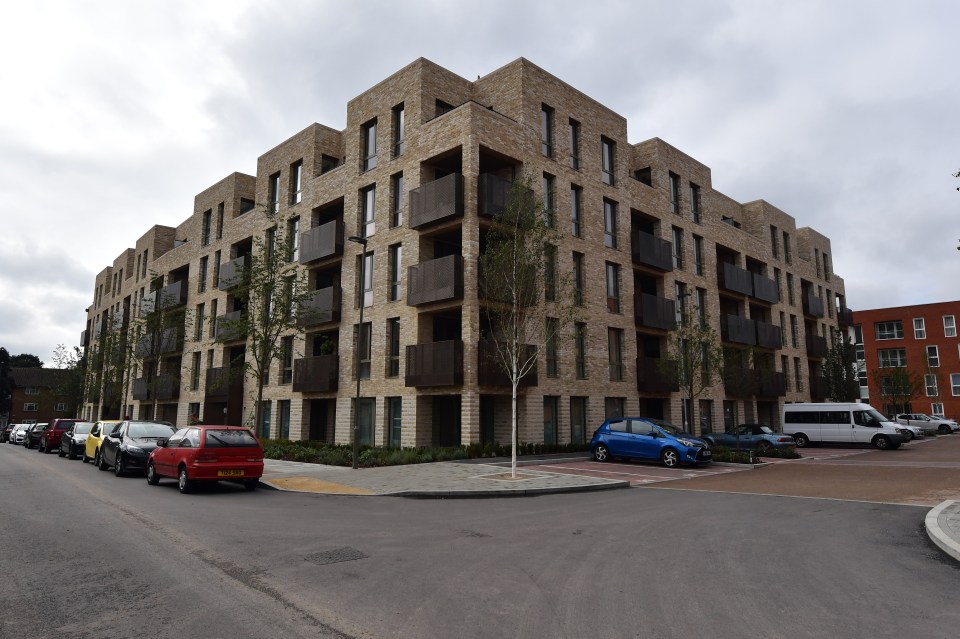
[(161, 443)]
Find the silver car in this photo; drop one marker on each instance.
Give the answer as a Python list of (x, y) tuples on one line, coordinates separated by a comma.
[(925, 422), (18, 433)]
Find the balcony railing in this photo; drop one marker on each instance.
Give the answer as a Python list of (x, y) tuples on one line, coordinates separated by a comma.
[(493, 194), (771, 384), (490, 370), (652, 251), (435, 364), (818, 388), (816, 346), (323, 241), (148, 303), (740, 382), (769, 336), (765, 289), (84, 341), (738, 330), (223, 382), (171, 340), (812, 305), (651, 377), (231, 273), (172, 295), (436, 201), (228, 329), (845, 316), (141, 389), (732, 278), (654, 312), (166, 386), (322, 308), (317, 374), (435, 280), (144, 346)]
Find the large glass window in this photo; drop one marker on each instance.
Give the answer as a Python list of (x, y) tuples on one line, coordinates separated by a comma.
[(274, 193), (608, 154), (393, 347), (889, 330), (574, 144), (296, 182), (613, 287), (368, 205), (398, 130), (698, 254), (955, 384), (394, 421), (396, 271), (205, 230), (396, 196), (919, 329), (675, 193), (933, 357), (892, 357), (578, 420), (576, 198), (949, 326), (368, 141), (546, 130), (609, 223), (293, 237), (615, 353), (286, 361), (930, 384), (361, 340)]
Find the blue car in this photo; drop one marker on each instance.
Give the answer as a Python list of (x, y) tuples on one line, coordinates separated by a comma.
[(756, 436), (647, 438)]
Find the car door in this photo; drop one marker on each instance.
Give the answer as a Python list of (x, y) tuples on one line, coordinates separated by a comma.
[(111, 444), (647, 440), (864, 427), (619, 439), (163, 457)]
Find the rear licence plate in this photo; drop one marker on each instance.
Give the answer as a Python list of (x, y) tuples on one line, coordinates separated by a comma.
[(229, 473)]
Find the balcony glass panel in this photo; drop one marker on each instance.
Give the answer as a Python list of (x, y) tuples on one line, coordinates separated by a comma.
[(231, 273)]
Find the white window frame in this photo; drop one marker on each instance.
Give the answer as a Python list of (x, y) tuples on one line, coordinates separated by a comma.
[(60, 407), (930, 383), (919, 328), (31, 390), (933, 356), (949, 327), (30, 407), (895, 333), (955, 384), (936, 409), (890, 363)]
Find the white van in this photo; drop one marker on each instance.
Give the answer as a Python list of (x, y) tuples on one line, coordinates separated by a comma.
[(840, 423)]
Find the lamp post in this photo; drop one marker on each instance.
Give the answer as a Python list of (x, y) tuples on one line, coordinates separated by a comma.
[(362, 241)]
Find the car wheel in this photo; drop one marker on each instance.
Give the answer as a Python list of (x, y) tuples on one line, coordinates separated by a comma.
[(185, 484), (152, 477), (251, 484), (670, 458), (882, 442), (70, 453), (118, 466), (943, 429), (601, 453), (84, 459), (802, 440), (40, 446), (99, 461), (764, 448), (60, 452)]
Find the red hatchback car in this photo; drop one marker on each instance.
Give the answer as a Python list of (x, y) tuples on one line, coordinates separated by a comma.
[(208, 453)]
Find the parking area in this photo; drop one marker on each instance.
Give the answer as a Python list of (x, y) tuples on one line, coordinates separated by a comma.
[(637, 473)]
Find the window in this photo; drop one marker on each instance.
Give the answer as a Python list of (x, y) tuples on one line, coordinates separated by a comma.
[(930, 384), (794, 332), (936, 409), (576, 198), (889, 330), (919, 329), (293, 237), (367, 285), (580, 347), (271, 243), (949, 326), (361, 342), (442, 108), (574, 144), (328, 163), (892, 357), (785, 368), (551, 412), (548, 199), (546, 130), (296, 182), (30, 407), (368, 141), (205, 229), (955, 384), (675, 193), (198, 325), (283, 412), (60, 407), (609, 223), (394, 421), (608, 154), (798, 373), (393, 347), (695, 203), (578, 420), (274, 194), (246, 205), (368, 204), (790, 289), (933, 357), (816, 260), (677, 248), (553, 369), (550, 273), (398, 130), (31, 390), (195, 372), (396, 197), (613, 287), (213, 321), (826, 267), (395, 257), (615, 353), (202, 275), (613, 407), (783, 328), (286, 361), (578, 279), (774, 242), (698, 254), (702, 306), (216, 269), (787, 255), (220, 221), (680, 292), (778, 277)]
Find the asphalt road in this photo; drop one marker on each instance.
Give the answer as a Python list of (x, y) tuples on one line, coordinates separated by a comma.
[(84, 554)]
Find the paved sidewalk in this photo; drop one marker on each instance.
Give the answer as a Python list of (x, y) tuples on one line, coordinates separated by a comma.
[(943, 527), (436, 480)]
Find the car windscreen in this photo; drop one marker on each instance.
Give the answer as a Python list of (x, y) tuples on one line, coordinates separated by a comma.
[(766, 430), (667, 426), (150, 429), (82, 428), (229, 439)]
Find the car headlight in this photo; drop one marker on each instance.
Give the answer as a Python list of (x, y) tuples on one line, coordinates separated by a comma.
[(134, 449), (687, 442)]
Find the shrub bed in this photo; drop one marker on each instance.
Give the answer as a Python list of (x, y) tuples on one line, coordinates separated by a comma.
[(724, 454)]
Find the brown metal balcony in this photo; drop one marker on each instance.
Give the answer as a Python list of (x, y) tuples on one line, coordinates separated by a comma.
[(435, 280), (148, 304), (651, 378), (845, 316), (818, 388), (436, 201), (141, 389), (812, 305), (322, 308), (323, 241), (172, 295), (816, 346), (227, 329), (231, 273), (493, 194), (731, 277), (223, 382), (651, 250), (435, 364), (740, 382), (769, 336), (490, 370), (171, 340), (654, 312), (317, 374), (166, 386), (738, 330), (770, 384), (765, 289)]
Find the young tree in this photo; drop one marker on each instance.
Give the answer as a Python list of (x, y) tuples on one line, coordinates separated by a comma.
[(276, 292), (840, 370), (694, 359), (517, 268), (898, 386), (73, 363)]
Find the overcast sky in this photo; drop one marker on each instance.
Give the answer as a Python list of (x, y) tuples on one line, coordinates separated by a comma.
[(845, 114)]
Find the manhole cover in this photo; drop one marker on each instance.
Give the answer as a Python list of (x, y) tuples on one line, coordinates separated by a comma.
[(335, 556)]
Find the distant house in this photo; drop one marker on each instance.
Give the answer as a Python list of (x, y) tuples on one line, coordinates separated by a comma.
[(35, 398)]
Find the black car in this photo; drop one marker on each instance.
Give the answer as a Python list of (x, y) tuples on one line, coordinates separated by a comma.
[(74, 439), (5, 433), (127, 448), (31, 439)]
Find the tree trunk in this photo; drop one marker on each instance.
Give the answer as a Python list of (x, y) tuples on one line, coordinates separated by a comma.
[(513, 421)]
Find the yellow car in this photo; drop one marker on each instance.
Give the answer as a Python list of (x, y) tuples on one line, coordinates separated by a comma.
[(99, 431)]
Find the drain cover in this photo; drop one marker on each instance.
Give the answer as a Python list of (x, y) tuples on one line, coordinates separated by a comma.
[(335, 556)]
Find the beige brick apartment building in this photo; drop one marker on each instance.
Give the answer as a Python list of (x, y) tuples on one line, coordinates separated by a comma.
[(417, 171)]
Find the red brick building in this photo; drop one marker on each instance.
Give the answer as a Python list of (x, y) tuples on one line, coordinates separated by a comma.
[(34, 397), (922, 338)]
